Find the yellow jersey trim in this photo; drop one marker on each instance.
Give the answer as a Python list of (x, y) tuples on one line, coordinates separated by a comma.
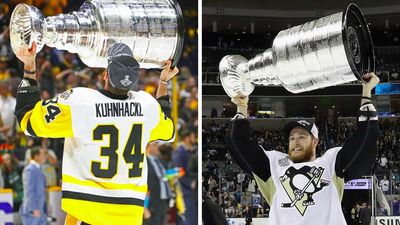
[(103, 213), (60, 126), (164, 131), (104, 185)]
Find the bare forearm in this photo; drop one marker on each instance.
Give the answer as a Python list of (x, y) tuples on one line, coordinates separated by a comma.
[(242, 104), (371, 80), (242, 109), (28, 68), (162, 89), (366, 93)]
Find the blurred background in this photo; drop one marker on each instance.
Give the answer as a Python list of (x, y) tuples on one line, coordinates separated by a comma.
[(58, 71), (248, 28)]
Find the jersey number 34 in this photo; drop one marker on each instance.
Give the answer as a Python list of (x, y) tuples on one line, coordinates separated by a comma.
[(132, 152)]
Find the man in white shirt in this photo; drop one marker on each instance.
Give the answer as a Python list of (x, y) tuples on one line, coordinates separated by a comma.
[(384, 185), (7, 106), (383, 161)]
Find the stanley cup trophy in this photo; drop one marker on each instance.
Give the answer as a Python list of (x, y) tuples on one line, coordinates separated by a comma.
[(153, 29), (332, 50)]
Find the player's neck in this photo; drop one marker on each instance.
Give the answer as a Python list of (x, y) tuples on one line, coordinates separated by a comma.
[(113, 95)]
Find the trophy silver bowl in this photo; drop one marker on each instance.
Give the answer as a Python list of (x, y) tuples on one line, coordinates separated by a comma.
[(332, 50), (153, 29)]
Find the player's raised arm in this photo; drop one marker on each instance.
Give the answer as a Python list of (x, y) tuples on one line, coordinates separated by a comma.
[(39, 118), (165, 129), (358, 153), (247, 154), (162, 91), (166, 74)]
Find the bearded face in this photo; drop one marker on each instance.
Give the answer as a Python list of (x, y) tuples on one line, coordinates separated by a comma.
[(301, 145)]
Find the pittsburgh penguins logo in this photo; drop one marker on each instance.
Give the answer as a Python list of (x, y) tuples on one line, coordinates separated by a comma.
[(300, 186)]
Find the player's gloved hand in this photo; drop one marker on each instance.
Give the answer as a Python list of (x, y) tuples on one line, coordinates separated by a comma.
[(371, 81), (167, 73)]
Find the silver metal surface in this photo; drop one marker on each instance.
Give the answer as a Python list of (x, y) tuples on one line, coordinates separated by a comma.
[(153, 29), (332, 50)]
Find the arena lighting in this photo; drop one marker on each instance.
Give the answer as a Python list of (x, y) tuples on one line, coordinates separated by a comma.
[(387, 89), (269, 112)]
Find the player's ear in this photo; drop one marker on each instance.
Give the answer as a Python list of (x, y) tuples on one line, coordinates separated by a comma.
[(105, 75), (315, 141)]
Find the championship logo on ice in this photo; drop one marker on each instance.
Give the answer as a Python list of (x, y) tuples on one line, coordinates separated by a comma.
[(300, 185)]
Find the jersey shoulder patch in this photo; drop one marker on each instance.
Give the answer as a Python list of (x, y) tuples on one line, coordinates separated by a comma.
[(66, 94), (77, 95)]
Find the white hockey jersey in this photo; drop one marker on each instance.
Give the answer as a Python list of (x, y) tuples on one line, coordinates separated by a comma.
[(303, 193), (104, 174)]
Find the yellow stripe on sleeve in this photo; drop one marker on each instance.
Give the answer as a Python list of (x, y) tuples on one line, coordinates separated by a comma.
[(52, 120), (104, 185), (164, 131), (102, 213)]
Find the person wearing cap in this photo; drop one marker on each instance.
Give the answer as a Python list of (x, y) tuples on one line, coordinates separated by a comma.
[(299, 187), (104, 173)]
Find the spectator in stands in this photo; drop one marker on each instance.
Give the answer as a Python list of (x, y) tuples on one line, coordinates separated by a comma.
[(7, 105), (159, 191), (238, 195), (382, 211), (181, 158), (49, 167), (214, 112), (212, 184), (5, 71), (384, 185), (383, 161), (395, 188), (230, 209), (256, 203), (248, 212), (193, 173), (3, 129), (252, 186), (1, 180), (396, 206), (188, 85), (33, 210), (355, 214), (12, 173), (240, 177), (365, 214), (224, 199)]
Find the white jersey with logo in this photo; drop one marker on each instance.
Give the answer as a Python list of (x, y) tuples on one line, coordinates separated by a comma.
[(104, 174), (303, 193)]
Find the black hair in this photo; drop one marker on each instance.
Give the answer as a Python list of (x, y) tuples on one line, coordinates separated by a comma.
[(35, 151)]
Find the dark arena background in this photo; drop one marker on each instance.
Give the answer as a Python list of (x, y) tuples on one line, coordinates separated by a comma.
[(249, 27)]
